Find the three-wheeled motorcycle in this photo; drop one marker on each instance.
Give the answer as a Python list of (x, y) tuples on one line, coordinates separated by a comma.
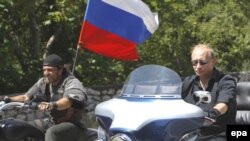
[(149, 108)]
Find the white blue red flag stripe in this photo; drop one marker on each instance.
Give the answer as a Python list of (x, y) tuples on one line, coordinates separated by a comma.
[(113, 28)]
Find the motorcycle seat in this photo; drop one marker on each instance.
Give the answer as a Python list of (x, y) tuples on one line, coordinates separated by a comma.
[(243, 103)]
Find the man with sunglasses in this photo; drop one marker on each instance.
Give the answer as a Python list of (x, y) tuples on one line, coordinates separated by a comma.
[(221, 110)]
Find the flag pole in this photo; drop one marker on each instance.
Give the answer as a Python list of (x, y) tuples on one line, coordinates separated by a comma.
[(78, 49), (78, 46), (75, 59)]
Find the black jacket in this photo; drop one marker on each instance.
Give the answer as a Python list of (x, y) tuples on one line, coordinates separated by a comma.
[(223, 90)]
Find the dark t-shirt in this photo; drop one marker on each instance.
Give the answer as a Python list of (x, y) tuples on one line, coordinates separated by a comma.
[(223, 90)]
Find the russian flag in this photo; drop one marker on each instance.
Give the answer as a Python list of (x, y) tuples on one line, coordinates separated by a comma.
[(113, 28)]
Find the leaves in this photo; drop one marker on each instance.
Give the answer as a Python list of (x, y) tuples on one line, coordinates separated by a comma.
[(29, 29)]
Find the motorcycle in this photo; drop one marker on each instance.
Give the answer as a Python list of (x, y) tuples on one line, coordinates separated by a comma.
[(150, 108), (12, 129)]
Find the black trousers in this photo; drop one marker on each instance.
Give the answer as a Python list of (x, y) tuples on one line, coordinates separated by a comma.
[(65, 131)]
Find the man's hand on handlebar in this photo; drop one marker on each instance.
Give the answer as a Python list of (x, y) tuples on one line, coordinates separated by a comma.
[(44, 106), (6, 99), (212, 114)]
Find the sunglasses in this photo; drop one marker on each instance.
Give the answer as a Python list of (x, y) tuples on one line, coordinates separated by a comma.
[(201, 62)]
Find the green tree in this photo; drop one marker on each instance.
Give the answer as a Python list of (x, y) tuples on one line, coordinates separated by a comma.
[(31, 29), (28, 31)]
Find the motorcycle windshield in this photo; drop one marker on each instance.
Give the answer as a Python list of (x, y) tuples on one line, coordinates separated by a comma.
[(152, 81)]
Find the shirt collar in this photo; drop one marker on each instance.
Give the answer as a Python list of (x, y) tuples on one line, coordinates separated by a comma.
[(215, 75)]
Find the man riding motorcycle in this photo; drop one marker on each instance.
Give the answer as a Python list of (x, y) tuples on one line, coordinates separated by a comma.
[(64, 95)]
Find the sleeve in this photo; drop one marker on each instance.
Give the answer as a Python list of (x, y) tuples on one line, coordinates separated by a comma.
[(227, 90), (36, 88), (75, 91)]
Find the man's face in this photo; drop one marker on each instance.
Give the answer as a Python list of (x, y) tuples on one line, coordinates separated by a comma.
[(202, 63), (52, 74)]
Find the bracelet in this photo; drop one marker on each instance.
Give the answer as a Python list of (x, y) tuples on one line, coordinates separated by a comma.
[(53, 105)]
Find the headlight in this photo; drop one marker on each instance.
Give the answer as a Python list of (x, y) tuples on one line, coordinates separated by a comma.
[(120, 137)]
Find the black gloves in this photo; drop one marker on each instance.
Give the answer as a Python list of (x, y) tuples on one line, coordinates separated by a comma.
[(6, 99), (212, 114)]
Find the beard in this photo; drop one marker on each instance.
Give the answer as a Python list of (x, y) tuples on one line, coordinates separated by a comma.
[(52, 80), (47, 80)]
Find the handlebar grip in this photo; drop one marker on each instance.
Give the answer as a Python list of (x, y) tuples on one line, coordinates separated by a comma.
[(27, 106)]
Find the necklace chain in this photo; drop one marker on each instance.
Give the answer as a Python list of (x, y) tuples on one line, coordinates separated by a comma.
[(203, 87)]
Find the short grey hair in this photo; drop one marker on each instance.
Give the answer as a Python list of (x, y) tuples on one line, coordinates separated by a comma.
[(205, 46)]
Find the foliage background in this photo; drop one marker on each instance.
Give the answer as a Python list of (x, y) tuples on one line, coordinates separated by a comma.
[(30, 29)]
